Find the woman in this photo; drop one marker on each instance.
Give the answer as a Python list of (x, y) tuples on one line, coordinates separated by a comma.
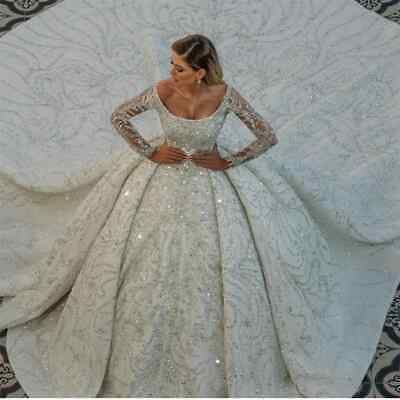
[(198, 73), (185, 273)]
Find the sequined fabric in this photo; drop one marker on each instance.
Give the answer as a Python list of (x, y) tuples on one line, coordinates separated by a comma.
[(120, 120), (181, 281), (256, 123), (194, 135)]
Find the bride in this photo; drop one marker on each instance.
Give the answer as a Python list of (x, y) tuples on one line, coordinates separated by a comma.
[(185, 274)]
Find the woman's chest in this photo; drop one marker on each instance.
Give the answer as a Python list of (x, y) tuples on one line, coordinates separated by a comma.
[(192, 133), (191, 109)]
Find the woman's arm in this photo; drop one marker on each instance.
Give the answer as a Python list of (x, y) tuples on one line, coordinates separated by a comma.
[(264, 132), (120, 120)]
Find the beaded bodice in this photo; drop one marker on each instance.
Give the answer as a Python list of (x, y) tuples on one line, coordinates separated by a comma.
[(191, 134), (194, 134)]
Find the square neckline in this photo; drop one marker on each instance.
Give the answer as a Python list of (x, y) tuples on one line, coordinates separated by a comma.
[(188, 119)]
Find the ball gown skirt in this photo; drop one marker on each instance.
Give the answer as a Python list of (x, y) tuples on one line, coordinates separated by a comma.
[(178, 280)]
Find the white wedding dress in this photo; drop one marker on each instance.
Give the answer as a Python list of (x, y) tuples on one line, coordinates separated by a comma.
[(177, 280), (124, 277)]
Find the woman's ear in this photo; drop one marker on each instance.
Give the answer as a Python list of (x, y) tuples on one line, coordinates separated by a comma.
[(203, 73)]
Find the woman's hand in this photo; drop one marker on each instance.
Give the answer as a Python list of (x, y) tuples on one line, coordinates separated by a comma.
[(210, 159), (168, 155)]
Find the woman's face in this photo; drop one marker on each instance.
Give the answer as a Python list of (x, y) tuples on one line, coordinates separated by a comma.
[(181, 72)]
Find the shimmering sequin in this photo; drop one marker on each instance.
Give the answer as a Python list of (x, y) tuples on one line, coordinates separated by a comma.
[(120, 120), (175, 281)]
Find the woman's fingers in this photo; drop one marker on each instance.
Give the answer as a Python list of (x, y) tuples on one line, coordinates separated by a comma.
[(177, 152), (204, 157), (175, 157), (198, 154), (206, 163), (211, 163)]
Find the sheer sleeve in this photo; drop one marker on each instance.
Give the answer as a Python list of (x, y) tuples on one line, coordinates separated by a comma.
[(254, 121), (120, 120)]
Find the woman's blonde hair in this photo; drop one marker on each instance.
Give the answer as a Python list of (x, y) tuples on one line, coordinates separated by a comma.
[(199, 52)]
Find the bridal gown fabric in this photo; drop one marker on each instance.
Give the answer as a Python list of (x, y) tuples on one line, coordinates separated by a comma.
[(185, 281), (132, 278)]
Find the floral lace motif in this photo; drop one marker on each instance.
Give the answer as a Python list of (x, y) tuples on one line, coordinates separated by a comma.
[(120, 120), (254, 121)]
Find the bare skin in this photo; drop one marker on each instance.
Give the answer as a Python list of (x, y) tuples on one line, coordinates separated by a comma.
[(184, 97)]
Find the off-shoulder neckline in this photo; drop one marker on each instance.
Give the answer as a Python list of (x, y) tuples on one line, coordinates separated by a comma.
[(188, 119)]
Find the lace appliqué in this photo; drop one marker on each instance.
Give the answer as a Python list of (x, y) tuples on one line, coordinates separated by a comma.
[(254, 121), (120, 120)]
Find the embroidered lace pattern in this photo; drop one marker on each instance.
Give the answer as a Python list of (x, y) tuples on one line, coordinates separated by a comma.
[(128, 109), (264, 132), (233, 102)]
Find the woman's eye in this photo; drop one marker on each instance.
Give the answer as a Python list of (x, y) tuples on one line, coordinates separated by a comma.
[(179, 70)]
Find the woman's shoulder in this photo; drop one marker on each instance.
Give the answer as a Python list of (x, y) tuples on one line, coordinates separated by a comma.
[(164, 88)]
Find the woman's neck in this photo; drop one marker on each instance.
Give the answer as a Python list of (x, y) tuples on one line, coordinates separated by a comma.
[(192, 90)]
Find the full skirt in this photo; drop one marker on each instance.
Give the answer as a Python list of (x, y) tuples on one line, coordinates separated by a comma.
[(176, 280)]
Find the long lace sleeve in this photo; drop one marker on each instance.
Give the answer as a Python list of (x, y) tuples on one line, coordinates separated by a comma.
[(254, 121), (120, 120)]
